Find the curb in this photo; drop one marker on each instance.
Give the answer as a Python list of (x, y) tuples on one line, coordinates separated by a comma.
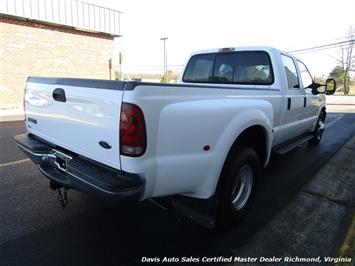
[(347, 249), (12, 117)]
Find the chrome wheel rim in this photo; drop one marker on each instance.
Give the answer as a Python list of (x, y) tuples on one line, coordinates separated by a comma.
[(242, 187)]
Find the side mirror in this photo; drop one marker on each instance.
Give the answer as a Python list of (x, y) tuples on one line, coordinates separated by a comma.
[(327, 89), (330, 86)]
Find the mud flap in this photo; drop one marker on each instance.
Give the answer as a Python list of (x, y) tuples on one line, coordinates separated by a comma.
[(202, 211)]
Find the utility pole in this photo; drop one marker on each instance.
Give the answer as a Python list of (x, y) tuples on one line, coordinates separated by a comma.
[(165, 59)]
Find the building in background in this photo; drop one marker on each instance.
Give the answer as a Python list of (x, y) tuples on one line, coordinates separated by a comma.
[(55, 38)]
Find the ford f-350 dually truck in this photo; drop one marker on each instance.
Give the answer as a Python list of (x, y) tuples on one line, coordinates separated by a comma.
[(199, 143)]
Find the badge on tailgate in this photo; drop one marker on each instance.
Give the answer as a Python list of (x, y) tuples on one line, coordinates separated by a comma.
[(105, 145)]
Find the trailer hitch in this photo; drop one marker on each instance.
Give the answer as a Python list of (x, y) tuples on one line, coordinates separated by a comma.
[(62, 193), (63, 196)]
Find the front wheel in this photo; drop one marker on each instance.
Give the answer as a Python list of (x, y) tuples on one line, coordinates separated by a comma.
[(319, 129), (237, 187)]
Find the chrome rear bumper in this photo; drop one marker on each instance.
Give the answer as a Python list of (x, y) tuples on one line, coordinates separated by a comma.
[(74, 171)]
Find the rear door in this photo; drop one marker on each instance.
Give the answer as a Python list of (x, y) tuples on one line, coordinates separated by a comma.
[(76, 114), (293, 101)]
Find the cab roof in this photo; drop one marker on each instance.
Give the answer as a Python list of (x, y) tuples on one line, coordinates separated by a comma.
[(241, 48)]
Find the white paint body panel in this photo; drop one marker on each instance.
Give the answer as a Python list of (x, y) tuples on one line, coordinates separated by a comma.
[(87, 117), (180, 121)]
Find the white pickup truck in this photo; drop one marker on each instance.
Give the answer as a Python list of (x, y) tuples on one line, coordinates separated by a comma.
[(199, 143)]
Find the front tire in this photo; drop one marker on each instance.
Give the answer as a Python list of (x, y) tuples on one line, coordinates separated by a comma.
[(319, 129), (237, 187)]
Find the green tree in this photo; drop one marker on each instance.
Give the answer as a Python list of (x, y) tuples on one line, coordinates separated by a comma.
[(165, 79), (170, 75), (346, 62), (339, 74)]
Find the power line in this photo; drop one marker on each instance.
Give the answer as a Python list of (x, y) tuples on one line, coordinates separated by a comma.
[(322, 46), (321, 49), (320, 42), (325, 46)]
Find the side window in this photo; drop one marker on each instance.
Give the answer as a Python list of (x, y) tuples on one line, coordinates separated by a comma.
[(305, 75), (224, 68), (291, 73), (199, 68), (253, 67)]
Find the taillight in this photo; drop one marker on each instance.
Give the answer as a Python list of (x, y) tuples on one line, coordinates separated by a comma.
[(133, 137)]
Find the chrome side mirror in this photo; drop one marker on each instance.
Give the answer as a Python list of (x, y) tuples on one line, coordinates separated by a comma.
[(330, 86)]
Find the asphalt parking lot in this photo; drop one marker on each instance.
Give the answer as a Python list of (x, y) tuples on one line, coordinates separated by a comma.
[(35, 230)]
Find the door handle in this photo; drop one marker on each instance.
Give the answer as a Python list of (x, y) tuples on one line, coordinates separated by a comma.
[(304, 102), (288, 103), (59, 95)]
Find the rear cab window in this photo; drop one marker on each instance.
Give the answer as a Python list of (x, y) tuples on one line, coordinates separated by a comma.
[(240, 67)]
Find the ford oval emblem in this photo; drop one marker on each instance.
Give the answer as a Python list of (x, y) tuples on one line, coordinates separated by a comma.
[(105, 145)]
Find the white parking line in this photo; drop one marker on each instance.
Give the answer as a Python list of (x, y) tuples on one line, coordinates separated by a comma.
[(14, 163), (338, 117), (158, 204)]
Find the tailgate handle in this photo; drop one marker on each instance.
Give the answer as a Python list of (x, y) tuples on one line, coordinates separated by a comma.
[(59, 95)]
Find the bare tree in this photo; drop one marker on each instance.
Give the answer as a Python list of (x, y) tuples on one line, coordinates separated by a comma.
[(346, 60)]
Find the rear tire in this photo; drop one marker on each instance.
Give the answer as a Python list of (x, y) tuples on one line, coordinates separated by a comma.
[(237, 187), (318, 130)]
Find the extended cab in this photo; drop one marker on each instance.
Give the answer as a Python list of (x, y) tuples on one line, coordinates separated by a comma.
[(199, 143)]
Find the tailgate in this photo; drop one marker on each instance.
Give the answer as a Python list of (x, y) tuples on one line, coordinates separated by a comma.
[(80, 115)]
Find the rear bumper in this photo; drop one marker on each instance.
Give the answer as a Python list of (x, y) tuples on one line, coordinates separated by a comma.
[(74, 171)]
